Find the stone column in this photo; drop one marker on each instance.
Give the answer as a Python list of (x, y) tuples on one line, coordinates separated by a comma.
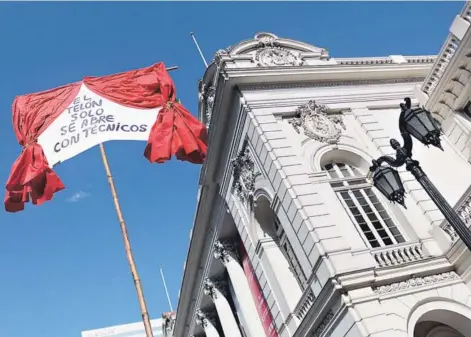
[(217, 290), (208, 322), (228, 254)]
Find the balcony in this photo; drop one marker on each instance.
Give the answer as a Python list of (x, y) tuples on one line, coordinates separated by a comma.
[(305, 303), (398, 254)]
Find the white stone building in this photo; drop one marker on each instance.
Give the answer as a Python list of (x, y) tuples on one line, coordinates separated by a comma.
[(289, 237)]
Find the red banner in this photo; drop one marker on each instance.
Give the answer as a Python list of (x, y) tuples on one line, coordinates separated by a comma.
[(262, 305)]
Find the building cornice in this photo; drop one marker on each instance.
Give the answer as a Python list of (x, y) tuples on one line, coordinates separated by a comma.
[(317, 84), (455, 47), (324, 73)]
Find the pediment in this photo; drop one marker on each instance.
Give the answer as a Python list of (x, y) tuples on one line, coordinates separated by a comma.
[(269, 46)]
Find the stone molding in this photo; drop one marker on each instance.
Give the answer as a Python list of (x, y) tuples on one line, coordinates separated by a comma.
[(249, 87), (416, 282)]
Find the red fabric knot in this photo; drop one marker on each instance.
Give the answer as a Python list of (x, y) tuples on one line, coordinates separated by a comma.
[(28, 144), (168, 105)]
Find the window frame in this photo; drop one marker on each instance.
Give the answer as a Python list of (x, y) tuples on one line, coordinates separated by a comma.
[(342, 184)]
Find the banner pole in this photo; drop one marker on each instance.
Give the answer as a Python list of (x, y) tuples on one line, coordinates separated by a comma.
[(127, 243), (127, 247)]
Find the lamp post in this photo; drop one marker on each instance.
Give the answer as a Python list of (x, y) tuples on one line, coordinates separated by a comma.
[(420, 124)]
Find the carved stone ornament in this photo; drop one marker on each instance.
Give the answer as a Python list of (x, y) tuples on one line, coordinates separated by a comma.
[(211, 95), (277, 56), (325, 322), (416, 282), (225, 251), (210, 287), (244, 176), (206, 95), (204, 318), (266, 40), (201, 90), (317, 123)]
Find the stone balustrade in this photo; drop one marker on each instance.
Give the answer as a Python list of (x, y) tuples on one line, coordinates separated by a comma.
[(398, 254), (305, 303)]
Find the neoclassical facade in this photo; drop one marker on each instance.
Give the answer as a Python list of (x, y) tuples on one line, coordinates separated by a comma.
[(290, 238)]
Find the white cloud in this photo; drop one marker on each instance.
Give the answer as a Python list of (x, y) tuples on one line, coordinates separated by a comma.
[(78, 196)]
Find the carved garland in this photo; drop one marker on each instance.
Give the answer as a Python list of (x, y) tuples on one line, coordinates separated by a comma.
[(317, 123), (211, 95), (244, 176), (416, 282), (206, 95)]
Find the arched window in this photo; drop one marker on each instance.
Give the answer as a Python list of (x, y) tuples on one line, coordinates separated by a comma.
[(363, 206)]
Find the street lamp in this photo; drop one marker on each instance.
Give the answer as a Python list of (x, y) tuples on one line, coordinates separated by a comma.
[(420, 124)]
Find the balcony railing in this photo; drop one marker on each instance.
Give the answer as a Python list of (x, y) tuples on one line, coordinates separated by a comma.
[(305, 303), (398, 254)]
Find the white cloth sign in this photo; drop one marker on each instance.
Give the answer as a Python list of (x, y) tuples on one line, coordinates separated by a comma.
[(90, 120)]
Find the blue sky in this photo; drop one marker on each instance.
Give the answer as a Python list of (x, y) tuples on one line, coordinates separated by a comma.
[(63, 268)]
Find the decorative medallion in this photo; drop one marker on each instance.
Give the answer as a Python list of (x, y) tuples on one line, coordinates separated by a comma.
[(416, 282), (317, 123), (277, 56), (244, 176)]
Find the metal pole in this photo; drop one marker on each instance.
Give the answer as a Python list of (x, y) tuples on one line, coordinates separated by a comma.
[(199, 49), (448, 212), (165, 287)]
